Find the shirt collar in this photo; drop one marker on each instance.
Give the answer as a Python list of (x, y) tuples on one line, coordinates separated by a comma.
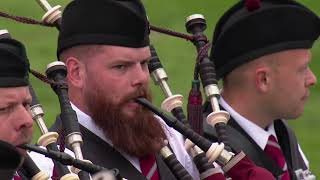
[(259, 135)]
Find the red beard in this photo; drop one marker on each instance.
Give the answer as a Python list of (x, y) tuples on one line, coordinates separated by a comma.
[(139, 137)]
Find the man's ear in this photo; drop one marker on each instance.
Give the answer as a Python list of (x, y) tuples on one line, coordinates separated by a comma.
[(76, 72), (262, 79)]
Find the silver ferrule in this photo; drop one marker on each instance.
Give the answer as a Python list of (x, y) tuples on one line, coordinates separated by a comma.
[(74, 138), (159, 75), (224, 157), (44, 5), (76, 147), (197, 150), (214, 104), (165, 89), (160, 78), (213, 93), (212, 90), (37, 114), (165, 151)]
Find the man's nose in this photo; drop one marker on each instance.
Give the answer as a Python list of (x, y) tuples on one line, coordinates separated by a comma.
[(311, 79), (141, 75), (23, 118)]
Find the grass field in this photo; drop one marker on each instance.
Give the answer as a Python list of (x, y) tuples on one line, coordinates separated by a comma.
[(177, 56)]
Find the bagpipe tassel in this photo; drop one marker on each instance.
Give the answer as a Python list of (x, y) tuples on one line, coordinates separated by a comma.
[(252, 5), (195, 107)]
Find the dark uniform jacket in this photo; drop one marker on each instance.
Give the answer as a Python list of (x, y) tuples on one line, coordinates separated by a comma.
[(240, 140), (101, 153)]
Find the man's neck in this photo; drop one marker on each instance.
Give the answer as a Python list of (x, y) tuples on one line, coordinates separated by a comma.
[(248, 108), (78, 101)]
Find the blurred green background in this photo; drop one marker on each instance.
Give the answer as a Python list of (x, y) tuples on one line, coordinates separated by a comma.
[(177, 56)]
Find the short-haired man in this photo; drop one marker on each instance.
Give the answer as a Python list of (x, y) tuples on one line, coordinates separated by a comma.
[(15, 118), (262, 54), (105, 46)]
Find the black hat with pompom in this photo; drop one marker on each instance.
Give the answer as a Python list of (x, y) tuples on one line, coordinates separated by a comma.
[(253, 28), (105, 22), (14, 64)]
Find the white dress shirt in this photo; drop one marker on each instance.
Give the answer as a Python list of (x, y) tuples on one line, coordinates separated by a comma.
[(258, 134)]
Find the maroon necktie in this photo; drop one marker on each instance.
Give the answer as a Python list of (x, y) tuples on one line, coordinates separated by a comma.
[(149, 168), (273, 150), (16, 177)]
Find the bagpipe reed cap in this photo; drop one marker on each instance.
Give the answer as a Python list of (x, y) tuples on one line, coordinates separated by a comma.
[(55, 63), (4, 32), (195, 23), (194, 16)]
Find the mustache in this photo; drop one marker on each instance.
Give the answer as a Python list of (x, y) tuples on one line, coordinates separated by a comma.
[(140, 92)]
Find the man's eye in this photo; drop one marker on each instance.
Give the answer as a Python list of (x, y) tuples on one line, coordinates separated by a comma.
[(4, 109), (120, 67), (144, 62), (27, 105), (304, 69)]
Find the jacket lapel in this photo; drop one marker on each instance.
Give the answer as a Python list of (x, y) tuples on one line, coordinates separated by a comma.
[(240, 140)]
